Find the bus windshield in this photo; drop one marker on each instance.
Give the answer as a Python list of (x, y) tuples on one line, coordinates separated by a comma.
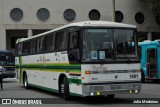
[(108, 44), (6, 59)]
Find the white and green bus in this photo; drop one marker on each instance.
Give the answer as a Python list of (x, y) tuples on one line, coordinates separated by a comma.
[(90, 58)]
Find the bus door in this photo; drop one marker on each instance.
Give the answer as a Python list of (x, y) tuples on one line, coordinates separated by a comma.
[(152, 63)]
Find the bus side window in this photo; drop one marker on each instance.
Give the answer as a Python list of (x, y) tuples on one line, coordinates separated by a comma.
[(33, 46), (61, 40), (49, 42), (38, 45), (74, 46), (73, 40), (52, 42), (26, 48), (42, 44), (19, 49)]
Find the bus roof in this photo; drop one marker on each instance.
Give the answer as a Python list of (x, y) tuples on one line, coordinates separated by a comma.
[(149, 43), (5, 51), (86, 24)]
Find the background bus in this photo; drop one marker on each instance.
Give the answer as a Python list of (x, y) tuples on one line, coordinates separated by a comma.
[(7, 61), (89, 58), (150, 60)]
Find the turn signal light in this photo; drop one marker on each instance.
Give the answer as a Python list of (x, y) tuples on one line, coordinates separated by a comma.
[(87, 72)]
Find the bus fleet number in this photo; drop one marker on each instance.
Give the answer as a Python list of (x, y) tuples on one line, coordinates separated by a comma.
[(133, 75)]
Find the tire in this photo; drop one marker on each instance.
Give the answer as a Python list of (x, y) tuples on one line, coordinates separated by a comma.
[(110, 96), (1, 81), (143, 77), (64, 89), (25, 82)]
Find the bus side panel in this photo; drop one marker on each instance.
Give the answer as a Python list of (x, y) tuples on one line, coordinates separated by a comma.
[(17, 69), (144, 60), (75, 85), (44, 80), (43, 70), (75, 89), (158, 62)]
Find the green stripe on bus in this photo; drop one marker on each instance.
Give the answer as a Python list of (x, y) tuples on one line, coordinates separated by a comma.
[(51, 68), (20, 61), (45, 70), (52, 64), (52, 90), (48, 66), (74, 81), (44, 88)]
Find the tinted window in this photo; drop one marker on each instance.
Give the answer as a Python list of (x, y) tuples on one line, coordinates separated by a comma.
[(61, 40), (33, 46), (73, 53), (26, 48), (52, 41), (38, 45), (20, 47), (49, 40), (73, 40), (42, 44)]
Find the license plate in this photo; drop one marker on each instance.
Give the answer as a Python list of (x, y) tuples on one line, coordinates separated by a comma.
[(116, 87)]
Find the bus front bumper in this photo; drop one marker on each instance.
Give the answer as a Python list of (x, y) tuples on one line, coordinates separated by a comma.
[(107, 89)]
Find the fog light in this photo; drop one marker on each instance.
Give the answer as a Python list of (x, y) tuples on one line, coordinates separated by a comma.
[(98, 93), (136, 91), (131, 92), (92, 94)]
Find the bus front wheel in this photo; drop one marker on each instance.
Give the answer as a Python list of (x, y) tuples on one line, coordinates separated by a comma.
[(25, 81), (65, 89)]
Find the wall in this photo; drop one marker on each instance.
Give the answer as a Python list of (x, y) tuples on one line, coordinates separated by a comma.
[(131, 7)]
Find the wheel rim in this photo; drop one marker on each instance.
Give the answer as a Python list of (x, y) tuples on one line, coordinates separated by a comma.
[(25, 82), (62, 88)]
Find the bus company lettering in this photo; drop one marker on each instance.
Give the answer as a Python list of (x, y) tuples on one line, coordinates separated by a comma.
[(99, 68)]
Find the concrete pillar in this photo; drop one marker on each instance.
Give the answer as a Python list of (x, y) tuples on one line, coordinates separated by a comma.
[(3, 41), (30, 33), (149, 36), (2, 30), (113, 3)]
